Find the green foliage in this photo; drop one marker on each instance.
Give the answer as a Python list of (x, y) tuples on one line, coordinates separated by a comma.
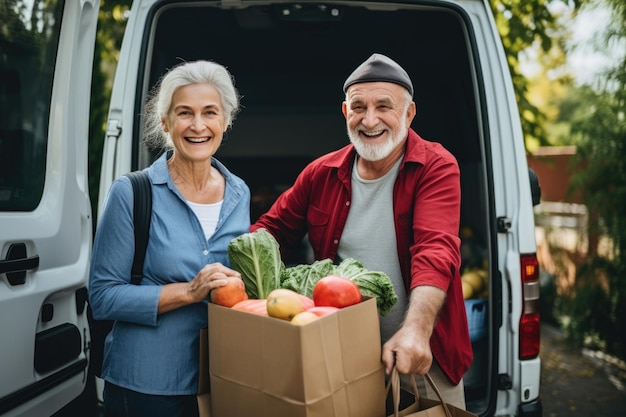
[(256, 256), (602, 149), (371, 283), (597, 117), (111, 24), (302, 279), (522, 24), (598, 307)]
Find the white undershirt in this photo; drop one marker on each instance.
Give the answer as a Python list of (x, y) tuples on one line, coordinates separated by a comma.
[(208, 214)]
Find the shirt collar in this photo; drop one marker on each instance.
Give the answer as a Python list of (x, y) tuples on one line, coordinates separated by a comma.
[(159, 171), (415, 149)]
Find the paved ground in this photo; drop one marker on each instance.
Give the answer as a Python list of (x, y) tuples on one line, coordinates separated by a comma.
[(579, 383)]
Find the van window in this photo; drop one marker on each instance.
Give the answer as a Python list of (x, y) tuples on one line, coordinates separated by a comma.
[(29, 37)]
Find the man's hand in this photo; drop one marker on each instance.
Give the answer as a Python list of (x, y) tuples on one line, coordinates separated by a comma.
[(409, 348), (408, 351)]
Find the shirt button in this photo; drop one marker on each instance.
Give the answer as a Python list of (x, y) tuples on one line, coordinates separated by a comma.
[(336, 242), (347, 203), (205, 252)]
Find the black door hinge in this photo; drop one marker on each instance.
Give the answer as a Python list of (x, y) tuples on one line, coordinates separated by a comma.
[(504, 382), (504, 224)]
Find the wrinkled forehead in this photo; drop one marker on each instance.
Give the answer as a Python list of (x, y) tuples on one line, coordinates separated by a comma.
[(377, 92)]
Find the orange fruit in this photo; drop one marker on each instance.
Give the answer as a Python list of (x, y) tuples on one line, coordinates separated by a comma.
[(230, 294)]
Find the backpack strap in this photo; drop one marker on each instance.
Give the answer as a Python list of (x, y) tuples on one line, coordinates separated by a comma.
[(142, 213)]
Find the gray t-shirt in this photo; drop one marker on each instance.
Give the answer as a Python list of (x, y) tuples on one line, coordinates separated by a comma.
[(369, 237)]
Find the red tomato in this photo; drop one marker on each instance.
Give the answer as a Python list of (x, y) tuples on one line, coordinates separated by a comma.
[(336, 291)]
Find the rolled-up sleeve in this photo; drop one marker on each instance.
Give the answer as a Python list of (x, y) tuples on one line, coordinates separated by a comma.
[(435, 255)]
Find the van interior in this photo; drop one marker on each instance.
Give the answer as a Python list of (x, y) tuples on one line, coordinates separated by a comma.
[(290, 62)]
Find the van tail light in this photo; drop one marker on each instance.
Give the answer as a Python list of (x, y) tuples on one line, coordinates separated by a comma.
[(529, 335)]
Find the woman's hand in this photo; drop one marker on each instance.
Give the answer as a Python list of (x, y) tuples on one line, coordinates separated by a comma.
[(209, 277), (180, 294)]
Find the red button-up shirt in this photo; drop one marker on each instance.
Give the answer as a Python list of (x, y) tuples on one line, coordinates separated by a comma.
[(426, 201)]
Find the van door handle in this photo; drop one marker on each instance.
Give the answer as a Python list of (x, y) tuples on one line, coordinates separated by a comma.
[(16, 264)]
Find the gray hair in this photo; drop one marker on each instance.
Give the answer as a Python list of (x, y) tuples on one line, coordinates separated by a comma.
[(160, 99)]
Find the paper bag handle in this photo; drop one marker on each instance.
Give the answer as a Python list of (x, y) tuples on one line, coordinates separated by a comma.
[(394, 385)]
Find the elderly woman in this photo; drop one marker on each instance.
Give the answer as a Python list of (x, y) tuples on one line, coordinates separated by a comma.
[(150, 365)]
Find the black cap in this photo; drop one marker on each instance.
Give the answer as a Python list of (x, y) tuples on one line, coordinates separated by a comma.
[(379, 68)]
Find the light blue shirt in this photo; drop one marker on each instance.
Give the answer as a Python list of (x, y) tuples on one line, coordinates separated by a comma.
[(146, 352)]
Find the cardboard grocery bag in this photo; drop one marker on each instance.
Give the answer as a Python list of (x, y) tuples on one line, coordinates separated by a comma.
[(266, 367), (422, 407)]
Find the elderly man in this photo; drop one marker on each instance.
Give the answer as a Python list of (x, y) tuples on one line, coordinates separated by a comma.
[(391, 200)]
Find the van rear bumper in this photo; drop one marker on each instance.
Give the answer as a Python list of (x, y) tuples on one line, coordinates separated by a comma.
[(530, 409)]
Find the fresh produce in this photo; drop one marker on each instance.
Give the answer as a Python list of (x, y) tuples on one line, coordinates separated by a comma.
[(304, 318), (336, 291), (302, 279), (284, 304), (322, 311), (252, 305), (291, 306), (229, 294), (306, 302), (256, 256), (371, 283), (475, 283), (468, 290)]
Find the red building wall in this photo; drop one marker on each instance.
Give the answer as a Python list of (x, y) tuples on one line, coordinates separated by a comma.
[(552, 165)]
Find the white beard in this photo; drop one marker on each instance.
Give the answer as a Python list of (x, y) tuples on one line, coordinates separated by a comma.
[(376, 152)]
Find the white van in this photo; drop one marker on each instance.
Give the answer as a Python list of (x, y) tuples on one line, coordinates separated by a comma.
[(290, 60), (46, 51)]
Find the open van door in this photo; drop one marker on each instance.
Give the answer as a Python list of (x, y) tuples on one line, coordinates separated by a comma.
[(46, 54)]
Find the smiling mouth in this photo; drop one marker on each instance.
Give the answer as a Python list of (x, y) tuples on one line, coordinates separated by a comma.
[(197, 140), (372, 135)]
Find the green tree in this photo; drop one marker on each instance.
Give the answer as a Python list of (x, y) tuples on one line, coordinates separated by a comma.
[(111, 25), (597, 116), (525, 24)]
